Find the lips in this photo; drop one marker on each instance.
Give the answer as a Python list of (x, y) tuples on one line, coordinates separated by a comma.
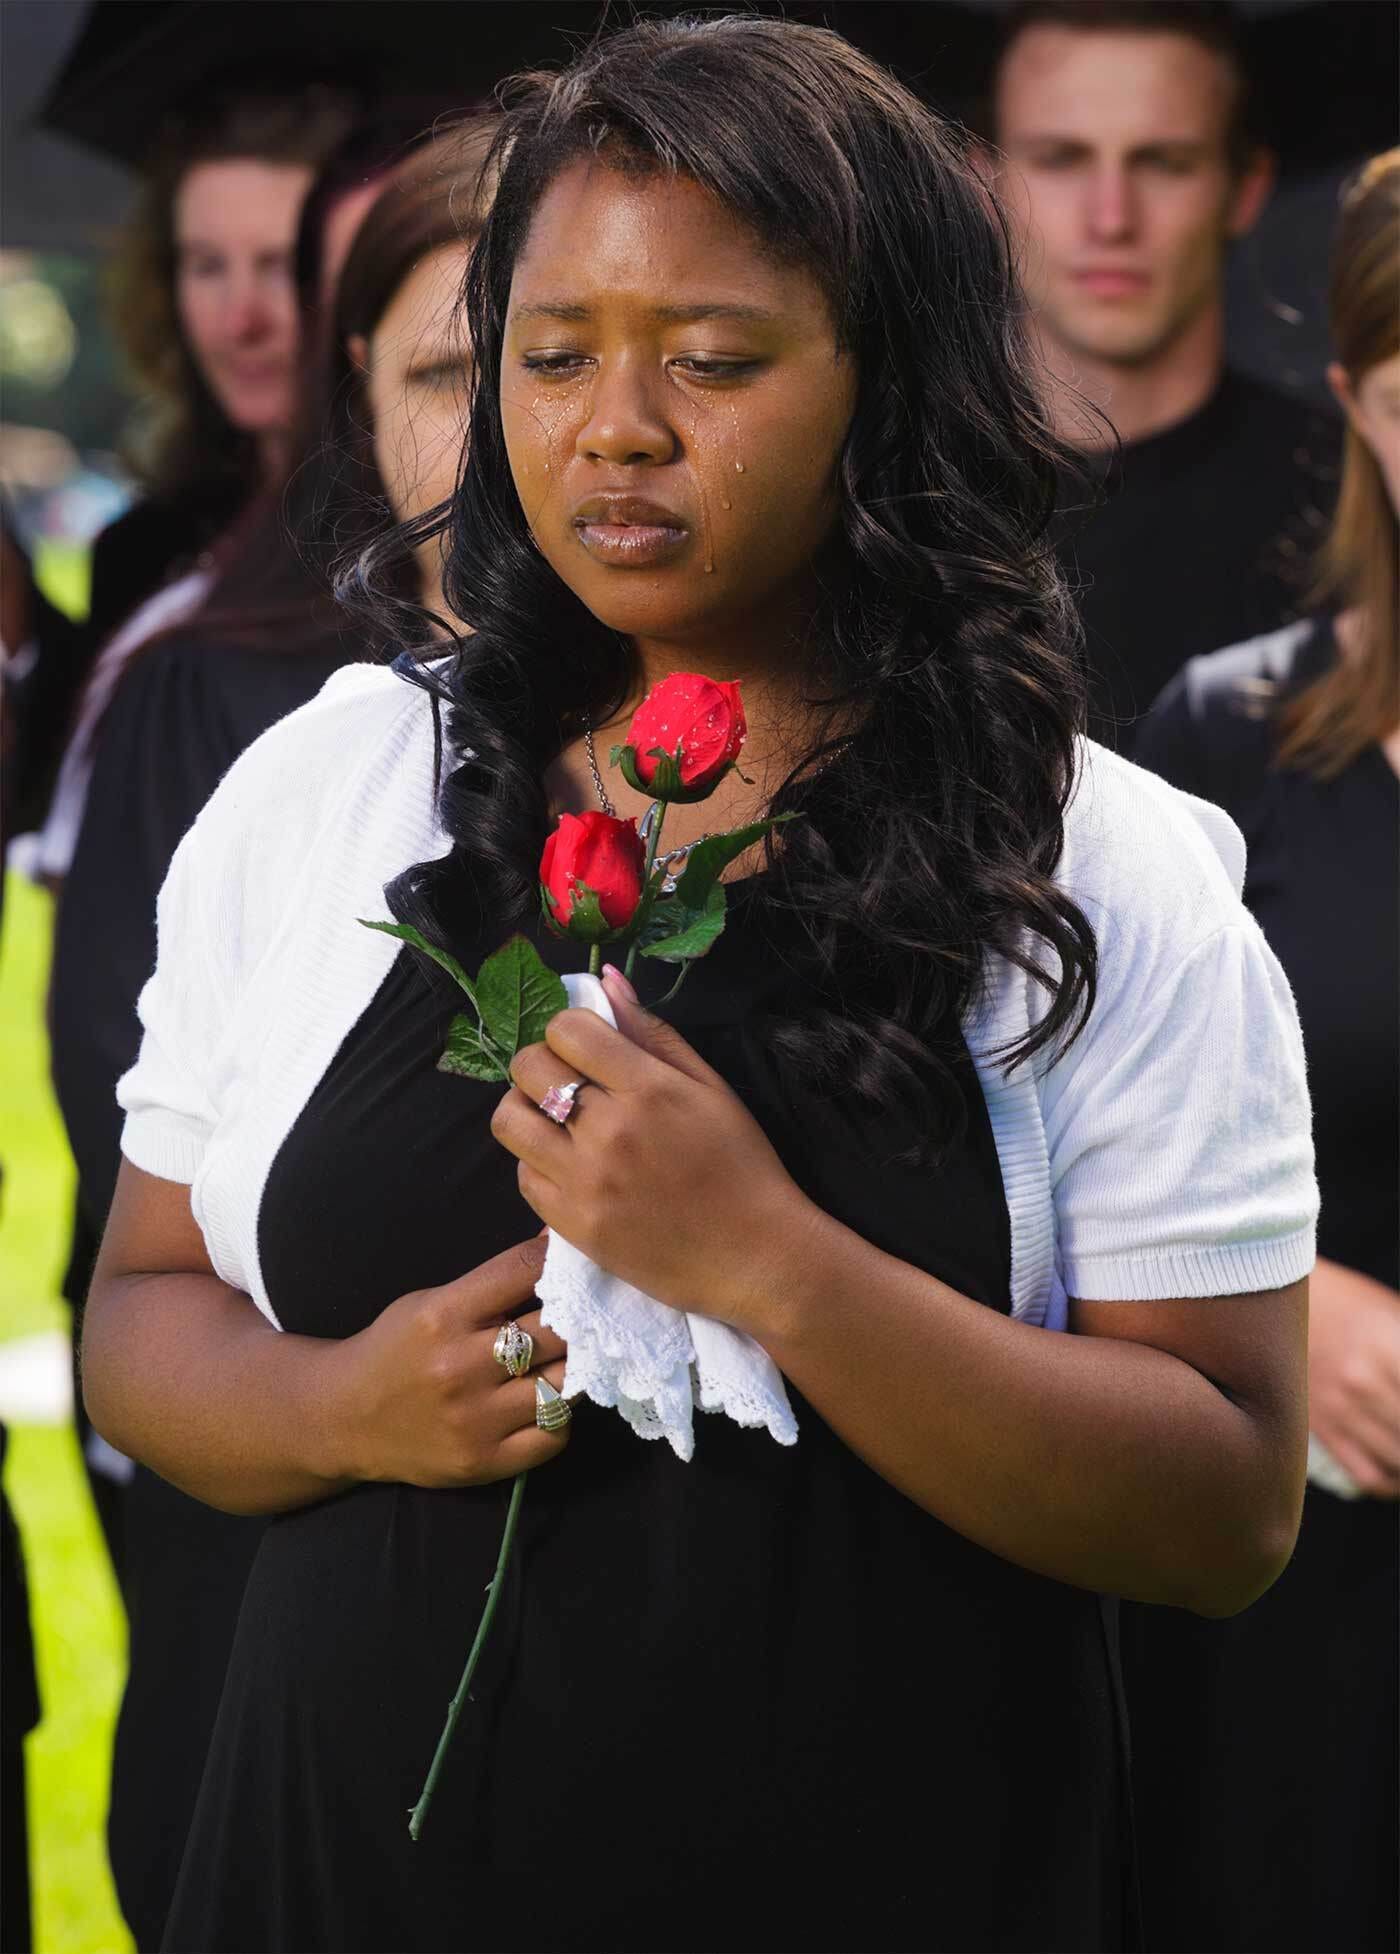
[(629, 532), (1112, 281)]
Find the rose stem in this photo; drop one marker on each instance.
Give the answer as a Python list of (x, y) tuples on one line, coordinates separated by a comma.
[(653, 842), (684, 973), (595, 959), (420, 1810)]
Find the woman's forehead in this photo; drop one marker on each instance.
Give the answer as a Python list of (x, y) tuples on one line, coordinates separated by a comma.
[(602, 237)]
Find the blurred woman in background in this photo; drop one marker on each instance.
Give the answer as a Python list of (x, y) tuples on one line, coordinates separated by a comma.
[(1265, 1747), (205, 311), (205, 306), (383, 442)]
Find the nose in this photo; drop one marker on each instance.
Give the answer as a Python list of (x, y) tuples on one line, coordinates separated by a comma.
[(249, 313), (626, 421), (1112, 212)]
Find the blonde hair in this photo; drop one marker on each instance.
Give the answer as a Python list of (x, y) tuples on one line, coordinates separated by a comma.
[(1357, 701)]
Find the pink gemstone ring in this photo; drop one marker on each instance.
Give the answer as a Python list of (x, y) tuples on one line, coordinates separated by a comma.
[(558, 1102)]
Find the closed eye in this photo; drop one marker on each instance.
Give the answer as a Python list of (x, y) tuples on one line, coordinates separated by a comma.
[(703, 366), (558, 364)]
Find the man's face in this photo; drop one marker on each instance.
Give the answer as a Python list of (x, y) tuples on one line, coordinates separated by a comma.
[(1119, 181)]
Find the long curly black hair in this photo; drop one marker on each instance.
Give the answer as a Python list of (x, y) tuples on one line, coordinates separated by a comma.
[(932, 837)]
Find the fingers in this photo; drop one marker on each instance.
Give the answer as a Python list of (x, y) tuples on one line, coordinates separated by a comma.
[(626, 1060), (653, 1034), (522, 1129), (537, 1069), (1370, 1475), (549, 1349), (521, 1443), (498, 1288)]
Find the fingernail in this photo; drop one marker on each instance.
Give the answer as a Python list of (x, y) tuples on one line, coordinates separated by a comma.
[(621, 983)]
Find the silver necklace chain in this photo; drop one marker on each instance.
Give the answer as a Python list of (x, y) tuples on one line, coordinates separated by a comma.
[(603, 800), (672, 854)]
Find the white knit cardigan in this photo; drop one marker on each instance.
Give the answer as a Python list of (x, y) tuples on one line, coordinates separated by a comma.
[(1167, 1154)]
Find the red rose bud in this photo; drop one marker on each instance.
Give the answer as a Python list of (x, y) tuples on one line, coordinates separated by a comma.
[(702, 720), (591, 874)]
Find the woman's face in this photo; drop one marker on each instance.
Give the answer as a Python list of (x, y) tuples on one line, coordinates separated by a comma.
[(1372, 406), (416, 379), (235, 290), (674, 404)]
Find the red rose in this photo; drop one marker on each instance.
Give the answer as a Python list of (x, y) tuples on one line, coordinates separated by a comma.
[(698, 724), (595, 854)]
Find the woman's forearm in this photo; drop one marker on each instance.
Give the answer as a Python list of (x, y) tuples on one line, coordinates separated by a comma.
[(1100, 1462), (183, 1373)]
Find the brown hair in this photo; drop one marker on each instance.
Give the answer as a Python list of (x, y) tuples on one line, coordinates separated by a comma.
[(275, 591), (1357, 701), (1213, 23), (188, 448)]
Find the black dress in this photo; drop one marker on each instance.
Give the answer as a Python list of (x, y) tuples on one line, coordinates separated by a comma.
[(179, 718), (757, 1701), (1267, 1748), (1202, 537)]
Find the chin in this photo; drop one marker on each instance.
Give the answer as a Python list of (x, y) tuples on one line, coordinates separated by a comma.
[(258, 415), (1118, 342), (649, 614)]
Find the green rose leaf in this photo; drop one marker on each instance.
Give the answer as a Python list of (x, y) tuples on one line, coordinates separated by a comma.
[(407, 934), (708, 860), (679, 932), (465, 1055), (518, 995)]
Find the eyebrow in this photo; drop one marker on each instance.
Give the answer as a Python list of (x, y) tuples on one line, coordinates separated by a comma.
[(572, 313), (1084, 145)]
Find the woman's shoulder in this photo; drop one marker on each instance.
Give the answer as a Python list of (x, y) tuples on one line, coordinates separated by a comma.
[(1156, 870), (1211, 729), (1128, 828), (360, 750), (362, 717)]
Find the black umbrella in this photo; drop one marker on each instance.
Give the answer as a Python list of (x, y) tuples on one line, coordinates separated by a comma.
[(1325, 70), (136, 61), (54, 196)]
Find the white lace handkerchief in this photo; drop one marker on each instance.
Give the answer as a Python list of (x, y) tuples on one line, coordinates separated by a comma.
[(652, 1363)]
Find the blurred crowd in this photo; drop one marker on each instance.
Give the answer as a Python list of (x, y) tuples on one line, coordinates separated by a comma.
[(287, 297)]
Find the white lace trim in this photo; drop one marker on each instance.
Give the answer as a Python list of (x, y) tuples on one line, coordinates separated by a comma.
[(634, 1355)]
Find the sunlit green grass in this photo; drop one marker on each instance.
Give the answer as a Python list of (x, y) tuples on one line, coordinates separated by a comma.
[(77, 1616)]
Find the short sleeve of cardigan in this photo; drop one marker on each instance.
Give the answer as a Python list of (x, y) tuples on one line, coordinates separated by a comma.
[(228, 883), (1179, 1130), (167, 1095)]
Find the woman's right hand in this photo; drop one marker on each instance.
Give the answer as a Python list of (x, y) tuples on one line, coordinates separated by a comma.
[(1354, 1375), (419, 1396)]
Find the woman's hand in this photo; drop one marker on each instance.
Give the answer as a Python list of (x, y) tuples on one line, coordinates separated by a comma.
[(1354, 1375), (420, 1398), (660, 1174)]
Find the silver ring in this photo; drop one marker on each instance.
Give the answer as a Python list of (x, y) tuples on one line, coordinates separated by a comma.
[(558, 1102), (552, 1412), (514, 1349)]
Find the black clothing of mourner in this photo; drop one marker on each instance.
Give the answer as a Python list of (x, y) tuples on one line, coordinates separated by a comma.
[(760, 1700), (180, 716), (19, 1712), (1266, 1748), (1202, 538), (150, 545), (153, 543)]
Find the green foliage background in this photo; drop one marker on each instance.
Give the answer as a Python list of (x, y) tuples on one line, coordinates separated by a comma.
[(77, 1616)]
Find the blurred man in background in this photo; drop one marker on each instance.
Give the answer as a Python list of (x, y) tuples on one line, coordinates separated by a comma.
[(1130, 166)]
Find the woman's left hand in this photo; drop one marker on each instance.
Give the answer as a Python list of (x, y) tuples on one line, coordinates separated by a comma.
[(660, 1174)]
